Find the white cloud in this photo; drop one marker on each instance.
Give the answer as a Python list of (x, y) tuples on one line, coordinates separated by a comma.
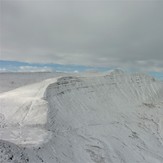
[(34, 69), (3, 69), (76, 71)]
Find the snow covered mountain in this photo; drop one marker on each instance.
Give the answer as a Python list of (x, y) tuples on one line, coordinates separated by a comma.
[(109, 118)]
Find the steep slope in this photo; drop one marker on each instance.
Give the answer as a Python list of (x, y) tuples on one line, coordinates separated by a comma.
[(110, 118)]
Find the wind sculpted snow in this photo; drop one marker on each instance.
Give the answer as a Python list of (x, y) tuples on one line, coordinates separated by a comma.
[(111, 118)]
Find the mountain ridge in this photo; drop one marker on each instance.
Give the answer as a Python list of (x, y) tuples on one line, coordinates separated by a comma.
[(105, 118)]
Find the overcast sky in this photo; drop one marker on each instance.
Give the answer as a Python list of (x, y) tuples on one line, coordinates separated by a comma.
[(95, 33)]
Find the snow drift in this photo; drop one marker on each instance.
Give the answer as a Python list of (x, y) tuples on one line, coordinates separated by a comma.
[(111, 118)]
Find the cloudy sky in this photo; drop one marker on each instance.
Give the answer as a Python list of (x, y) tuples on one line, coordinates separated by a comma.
[(127, 34)]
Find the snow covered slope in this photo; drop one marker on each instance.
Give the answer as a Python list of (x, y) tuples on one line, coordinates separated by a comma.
[(111, 118)]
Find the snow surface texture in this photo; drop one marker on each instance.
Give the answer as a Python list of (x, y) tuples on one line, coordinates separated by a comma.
[(111, 118)]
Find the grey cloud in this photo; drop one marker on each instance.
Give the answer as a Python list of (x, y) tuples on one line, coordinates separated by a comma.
[(98, 33)]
